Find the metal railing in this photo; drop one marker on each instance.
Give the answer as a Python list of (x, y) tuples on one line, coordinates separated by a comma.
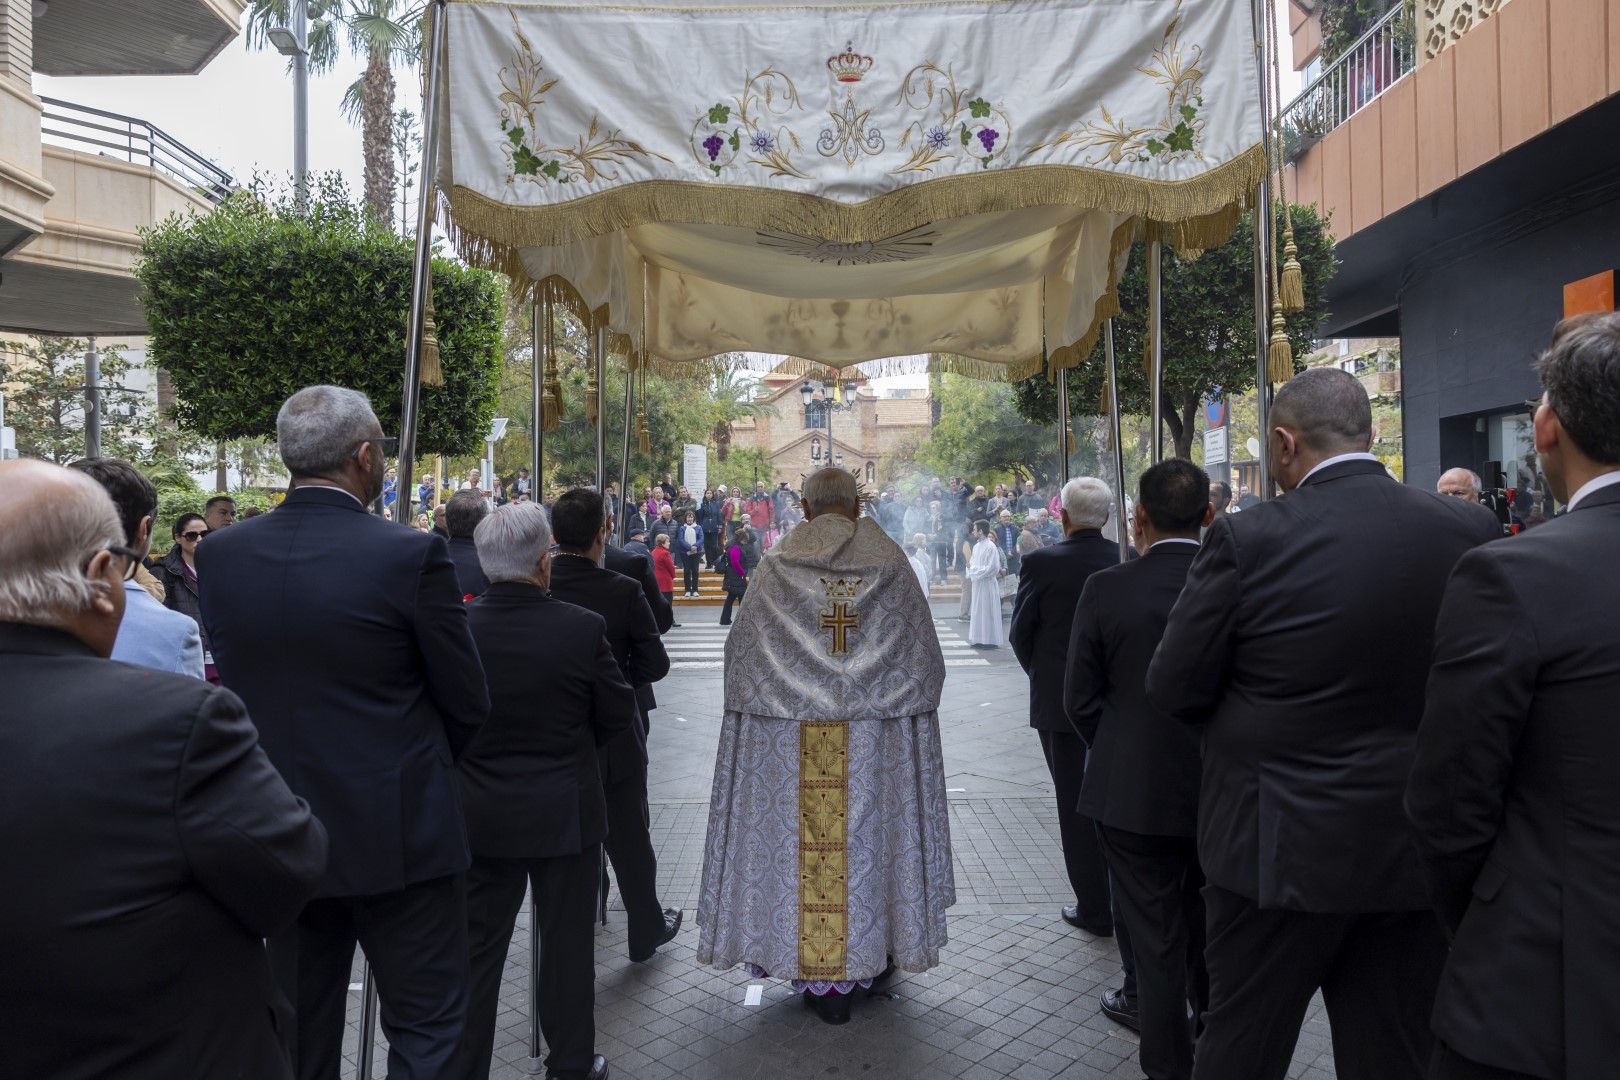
[(126, 138), (1372, 64)]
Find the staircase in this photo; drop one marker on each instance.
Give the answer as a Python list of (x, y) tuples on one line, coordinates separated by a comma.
[(711, 593)]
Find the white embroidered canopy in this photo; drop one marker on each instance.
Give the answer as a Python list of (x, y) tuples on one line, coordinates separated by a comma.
[(845, 181)]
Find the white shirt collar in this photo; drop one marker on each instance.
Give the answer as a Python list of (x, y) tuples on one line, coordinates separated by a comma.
[(1335, 460), (332, 487), (1171, 540), (1597, 483)]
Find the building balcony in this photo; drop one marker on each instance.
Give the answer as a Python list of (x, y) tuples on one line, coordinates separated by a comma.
[(23, 188), (110, 176), (133, 37)]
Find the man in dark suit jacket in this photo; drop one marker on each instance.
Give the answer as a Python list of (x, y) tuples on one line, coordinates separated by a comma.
[(462, 513), (577, 577), (149, 845), (347, 637), (1513, 795), (1141, 784), (639, 568), (1300, 643), (531, 788)]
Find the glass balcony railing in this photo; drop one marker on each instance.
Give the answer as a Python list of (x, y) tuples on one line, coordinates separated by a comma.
[(125, 138), (1372, 64)]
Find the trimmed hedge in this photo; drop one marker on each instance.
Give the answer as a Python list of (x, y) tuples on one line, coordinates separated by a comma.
[(253, 301)]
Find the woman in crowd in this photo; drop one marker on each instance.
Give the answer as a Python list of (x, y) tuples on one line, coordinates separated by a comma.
[(939, 540), (999, 501), (736, 562), (692, 538), (708, 519), (664, 570), (178, 572)]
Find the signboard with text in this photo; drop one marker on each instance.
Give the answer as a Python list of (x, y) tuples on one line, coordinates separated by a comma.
[(695, 467), (1217, 454)]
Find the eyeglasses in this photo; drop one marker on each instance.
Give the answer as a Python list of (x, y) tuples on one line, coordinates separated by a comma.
[(388, 444), (132, 560), (195, 535)]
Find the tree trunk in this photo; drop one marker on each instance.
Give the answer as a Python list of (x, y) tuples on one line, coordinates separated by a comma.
[(1181, 427), (167, 433), (376, 136)]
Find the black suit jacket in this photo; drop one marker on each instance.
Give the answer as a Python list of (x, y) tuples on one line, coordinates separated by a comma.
[(148, 847), (346, 636), (1301, 643), (631, 633), (1049, 584), (1515, 800), (531, 785), (639, 568), (1143, 767), (470, 577)]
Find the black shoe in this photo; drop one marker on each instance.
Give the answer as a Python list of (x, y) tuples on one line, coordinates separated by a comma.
[(1071, 915), (1121, 1009), (599, 1071), (672, 926), (882, 978), (832, 1008), (674, 626)]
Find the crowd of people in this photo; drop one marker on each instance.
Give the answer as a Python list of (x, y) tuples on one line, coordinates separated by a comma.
[(1350, 740)]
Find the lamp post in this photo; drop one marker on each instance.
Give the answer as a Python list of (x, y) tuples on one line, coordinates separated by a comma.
[(808, 393), (293, 41)]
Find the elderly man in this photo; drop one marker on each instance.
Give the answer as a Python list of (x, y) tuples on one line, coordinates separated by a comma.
[(1460, 483), (462, 513), (219, 512), (531, 789), (832, 681), (1049, 585), (347, 637), (149, 845), (1313, 879), (151, 634)]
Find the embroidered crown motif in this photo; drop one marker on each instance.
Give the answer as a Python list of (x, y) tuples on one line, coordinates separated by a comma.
[(849, 66), (840, 588)]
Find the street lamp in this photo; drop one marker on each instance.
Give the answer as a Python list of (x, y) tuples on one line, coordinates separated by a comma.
[(294, 42), (813, 390)]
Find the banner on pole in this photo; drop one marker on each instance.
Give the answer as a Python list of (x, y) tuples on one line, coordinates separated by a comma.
[(695, 467)]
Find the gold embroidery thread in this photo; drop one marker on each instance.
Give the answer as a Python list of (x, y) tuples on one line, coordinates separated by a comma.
[(823, 858)]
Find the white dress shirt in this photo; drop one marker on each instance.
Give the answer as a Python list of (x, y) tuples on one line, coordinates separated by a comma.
[(1597, 483), (1335, 460)]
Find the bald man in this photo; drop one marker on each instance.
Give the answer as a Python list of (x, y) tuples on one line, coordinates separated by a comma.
[(149, 845), (1460, 484), (1300, 647)]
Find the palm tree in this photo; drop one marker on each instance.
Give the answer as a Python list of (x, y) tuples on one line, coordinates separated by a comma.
[(734, 399), (384, 32)]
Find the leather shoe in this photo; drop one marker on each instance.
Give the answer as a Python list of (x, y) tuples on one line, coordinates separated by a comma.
[(672, 926), (831, 1008), (599, 1071), (1121, 1009), (1071, 915)]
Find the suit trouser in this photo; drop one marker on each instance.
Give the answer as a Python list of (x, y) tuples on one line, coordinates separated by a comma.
[(416, 943), (1156, 890), (690, 561), (565, 907), (1082, 853), (1447, 1064), (1377, 973), (635, 866), (711, 549)]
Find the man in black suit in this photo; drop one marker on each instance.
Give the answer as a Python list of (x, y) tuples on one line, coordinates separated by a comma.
[(149, 844), (531, 788), (462, 513), (1049, 584), (1300, 645), (577, 577), (1141, 784), (639, 568), (1513, 796), (347, 637)]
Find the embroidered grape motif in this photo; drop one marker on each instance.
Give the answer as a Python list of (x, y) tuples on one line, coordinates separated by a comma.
[(713, 144), (988, 137)]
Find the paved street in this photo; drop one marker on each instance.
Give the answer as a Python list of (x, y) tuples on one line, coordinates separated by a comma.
[(1016, 992)]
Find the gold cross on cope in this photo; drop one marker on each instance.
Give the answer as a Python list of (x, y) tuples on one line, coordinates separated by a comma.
[(841, 617)]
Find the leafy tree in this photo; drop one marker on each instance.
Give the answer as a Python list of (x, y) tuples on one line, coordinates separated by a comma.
[(1208, 330), (733, 397), (43, 380), (255, 300), (980, 437)]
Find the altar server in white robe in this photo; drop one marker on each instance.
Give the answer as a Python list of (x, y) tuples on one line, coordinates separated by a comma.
[(828, 858), (920, 564), (983, 579)]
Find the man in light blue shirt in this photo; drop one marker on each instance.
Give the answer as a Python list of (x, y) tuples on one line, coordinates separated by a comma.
[(151, 635)]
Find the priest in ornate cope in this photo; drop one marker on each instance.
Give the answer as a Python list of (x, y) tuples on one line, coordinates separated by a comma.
[(828, 859)]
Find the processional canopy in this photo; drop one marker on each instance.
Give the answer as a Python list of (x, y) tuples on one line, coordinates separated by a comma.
[(840, 181)]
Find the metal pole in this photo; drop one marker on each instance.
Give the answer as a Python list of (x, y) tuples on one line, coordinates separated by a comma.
[(300, 29), (1155, 276), (599, 359), (1262, 254), (1063, 424), (536, 1063), (541, 310), (92, 402), (368, 1022), (624, 462), (1124, 527), (827, 400), (419, 271)]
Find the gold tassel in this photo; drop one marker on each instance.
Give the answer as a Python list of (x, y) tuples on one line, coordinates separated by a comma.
[(1280, 354), (1104, 405), (432, 371), (1069, 441), (1147, 355), (592, 395), (643, 435), (1292, 289), (551, 399)]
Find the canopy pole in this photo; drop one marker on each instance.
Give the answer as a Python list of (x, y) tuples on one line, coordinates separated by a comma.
[(368, 1021), (419, 280), (1063, 424), (537, 404), (1123, 526), (536, 1063), (624, 463), (1155, 276), (1262, 254), (599, 363)]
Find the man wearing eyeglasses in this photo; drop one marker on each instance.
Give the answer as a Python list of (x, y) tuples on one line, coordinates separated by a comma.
[(346, 635), (149, 844)]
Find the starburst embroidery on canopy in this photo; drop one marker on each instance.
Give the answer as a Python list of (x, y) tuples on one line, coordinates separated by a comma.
[(594, 155), (901, 247)]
